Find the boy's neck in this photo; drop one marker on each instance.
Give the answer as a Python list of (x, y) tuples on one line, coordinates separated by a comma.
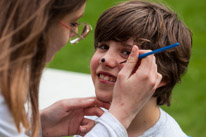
[(145, 119)]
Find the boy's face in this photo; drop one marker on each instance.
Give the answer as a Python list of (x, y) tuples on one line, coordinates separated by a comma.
[(104, 74)]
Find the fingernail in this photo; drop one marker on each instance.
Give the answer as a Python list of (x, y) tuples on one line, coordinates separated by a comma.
[(134, 50), (83, 130)]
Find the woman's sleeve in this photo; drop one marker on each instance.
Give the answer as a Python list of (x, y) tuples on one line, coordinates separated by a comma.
[(107, 126)]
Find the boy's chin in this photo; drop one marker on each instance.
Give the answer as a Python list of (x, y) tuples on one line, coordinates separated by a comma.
[(105, 99), (104, 95)]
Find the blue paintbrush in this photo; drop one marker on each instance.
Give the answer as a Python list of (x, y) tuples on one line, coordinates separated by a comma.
[(155, 51)]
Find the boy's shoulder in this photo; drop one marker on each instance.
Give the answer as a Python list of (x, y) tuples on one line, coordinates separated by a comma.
[(166, 126)]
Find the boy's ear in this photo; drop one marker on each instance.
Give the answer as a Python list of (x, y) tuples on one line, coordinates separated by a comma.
[(161, 84)]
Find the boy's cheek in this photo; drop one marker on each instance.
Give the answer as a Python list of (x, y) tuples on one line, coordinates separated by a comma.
[(94, 62)]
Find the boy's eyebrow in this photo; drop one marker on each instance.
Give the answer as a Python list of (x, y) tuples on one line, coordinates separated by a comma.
[(126, 44), (103, 42), (122, 43)]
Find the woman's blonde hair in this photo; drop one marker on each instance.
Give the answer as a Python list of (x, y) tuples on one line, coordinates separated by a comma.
[(23, 48)]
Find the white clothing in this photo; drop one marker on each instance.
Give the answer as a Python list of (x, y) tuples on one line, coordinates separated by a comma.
[(7, 125), (166, 126), (107, 125)]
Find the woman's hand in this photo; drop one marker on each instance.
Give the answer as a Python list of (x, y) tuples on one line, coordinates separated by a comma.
[(134, 86), (66, 117)]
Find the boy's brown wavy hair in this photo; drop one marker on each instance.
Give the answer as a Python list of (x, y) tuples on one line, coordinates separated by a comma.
[(152, 26)]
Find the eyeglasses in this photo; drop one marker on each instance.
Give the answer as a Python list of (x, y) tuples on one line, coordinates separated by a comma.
[(78, 31)]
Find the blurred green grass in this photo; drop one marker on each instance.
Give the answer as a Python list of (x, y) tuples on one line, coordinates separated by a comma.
[(189, 97)]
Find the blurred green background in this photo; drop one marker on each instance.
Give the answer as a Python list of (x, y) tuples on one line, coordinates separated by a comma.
[(189, 98)]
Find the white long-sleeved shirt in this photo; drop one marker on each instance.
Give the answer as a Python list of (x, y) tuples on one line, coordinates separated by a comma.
[(107, 125), (166, 126)]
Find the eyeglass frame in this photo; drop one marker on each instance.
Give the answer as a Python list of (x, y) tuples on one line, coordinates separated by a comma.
[(72, 29)]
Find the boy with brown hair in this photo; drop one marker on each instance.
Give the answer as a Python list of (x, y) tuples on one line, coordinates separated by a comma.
[(150, 26)]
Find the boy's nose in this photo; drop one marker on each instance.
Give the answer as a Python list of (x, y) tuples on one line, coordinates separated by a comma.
[(109, 60)]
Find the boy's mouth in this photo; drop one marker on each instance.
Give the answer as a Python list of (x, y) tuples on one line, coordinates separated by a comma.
[(107, 77)]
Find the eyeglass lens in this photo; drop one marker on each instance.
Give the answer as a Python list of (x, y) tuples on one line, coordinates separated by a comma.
[(79, 32)]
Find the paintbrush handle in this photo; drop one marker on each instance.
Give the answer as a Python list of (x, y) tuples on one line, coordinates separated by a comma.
[(158, 50)]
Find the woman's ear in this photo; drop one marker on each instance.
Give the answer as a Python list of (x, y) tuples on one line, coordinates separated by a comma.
[(161, 84)]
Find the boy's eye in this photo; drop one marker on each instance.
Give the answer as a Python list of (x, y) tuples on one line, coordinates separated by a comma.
[(103, 47), (126, 52)]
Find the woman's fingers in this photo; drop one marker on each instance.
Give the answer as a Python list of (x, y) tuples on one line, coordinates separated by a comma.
[(131, 62), (86, 126), (93, 111), (76, 103), (146, 62), (102, 104), (149, 68)]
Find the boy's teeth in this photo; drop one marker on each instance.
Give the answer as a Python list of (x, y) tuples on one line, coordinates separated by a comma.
[(101, 76), (107, 78)]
